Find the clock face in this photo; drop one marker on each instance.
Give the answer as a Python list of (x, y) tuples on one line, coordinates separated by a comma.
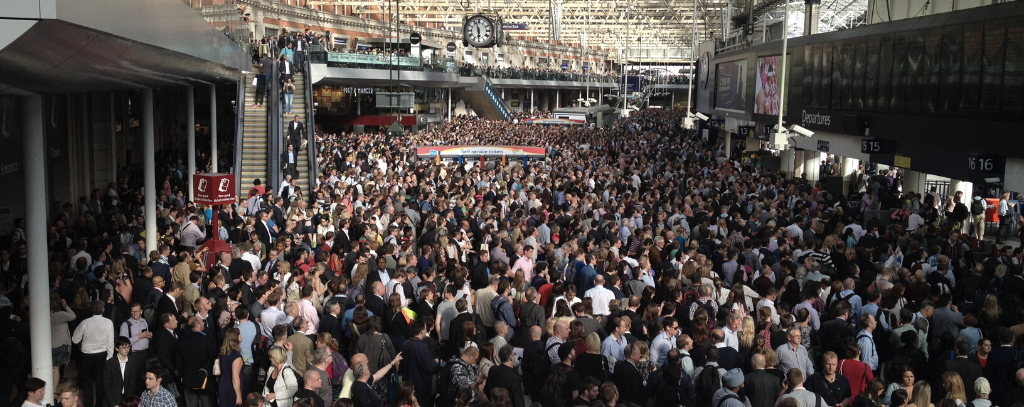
[(479, 31), (705, 68)]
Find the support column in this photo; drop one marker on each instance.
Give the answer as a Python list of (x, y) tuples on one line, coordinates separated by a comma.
[(968, 189), (213, 128), (914, 181), (798, 163), (556, 99), (812, 164), (190, 136), (811, 16), (35, 221), (848, 170), (533, 102), (148, 167), (449, 103), (728, 143)]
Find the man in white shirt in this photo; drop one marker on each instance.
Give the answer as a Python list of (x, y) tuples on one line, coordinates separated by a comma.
[(252, 258), (96, 335), (394, 286), (914, 222), (768, 301), (600, 296), (192, 235), (731, 330)]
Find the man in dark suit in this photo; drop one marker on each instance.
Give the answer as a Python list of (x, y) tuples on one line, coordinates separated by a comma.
[(295, 131), (531, 313), (761, 387), (728, 358), (263, 230), (375, 302), (159, 268), (833, 332), (287, 68), (330, 322), (118, 382), (168, 303), (628, 380), (165, 343), (505, 377), (1000, 368), (378, 272), (196, 350), (290, 164), (455, 327), (968, 369)]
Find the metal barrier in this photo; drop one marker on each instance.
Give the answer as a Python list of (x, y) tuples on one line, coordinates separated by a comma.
[(239, 132), (941, 187), (274, 127), (312, 148)]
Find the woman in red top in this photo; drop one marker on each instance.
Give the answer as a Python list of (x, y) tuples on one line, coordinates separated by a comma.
[(857, 372), (981, 355)]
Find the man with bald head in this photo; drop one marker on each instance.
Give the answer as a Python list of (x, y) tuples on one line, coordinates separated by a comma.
[(761, 387), (532, 383), (561, 332)]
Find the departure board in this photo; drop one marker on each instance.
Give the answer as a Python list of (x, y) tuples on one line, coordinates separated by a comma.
[(992, 69), (885, 72), (859, 62), (1013, 76), (806, 64), (871, 74), (932, 70), (819, 78), (848, 63), (970, 80), (899, 71), (915, 72), (837, 74), (949, 85)]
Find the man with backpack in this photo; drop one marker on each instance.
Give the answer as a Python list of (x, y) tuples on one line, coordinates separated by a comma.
[(978, 208), (563, 382), (535, 363), (460, 373), (728, 395), (707, 379)]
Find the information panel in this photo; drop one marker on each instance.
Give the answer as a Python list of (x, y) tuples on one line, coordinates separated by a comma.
[(730, 85)]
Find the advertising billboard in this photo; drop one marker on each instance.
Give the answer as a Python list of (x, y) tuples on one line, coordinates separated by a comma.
[(766, 86), (730, 85)]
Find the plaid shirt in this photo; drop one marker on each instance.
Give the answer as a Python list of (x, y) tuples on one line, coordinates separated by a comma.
[(163, 398)]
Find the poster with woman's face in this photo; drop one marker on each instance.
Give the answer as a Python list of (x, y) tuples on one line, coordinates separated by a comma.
[(766, 89)]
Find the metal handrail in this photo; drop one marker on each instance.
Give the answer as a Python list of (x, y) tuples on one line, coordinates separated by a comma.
[(310, 134), (239, 132), (274, 127)]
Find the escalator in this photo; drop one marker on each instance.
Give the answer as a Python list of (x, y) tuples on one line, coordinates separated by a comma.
[(486, 101), (254, 144), (299, 109)]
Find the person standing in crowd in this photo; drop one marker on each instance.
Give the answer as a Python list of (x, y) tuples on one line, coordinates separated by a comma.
[(121, 374), (156, 395), (96, 337), (195, 354)]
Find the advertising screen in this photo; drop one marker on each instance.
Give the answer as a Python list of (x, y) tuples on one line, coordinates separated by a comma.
[(730, 85), (766, 85)]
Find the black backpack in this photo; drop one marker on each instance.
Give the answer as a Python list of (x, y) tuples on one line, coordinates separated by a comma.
[(708, 382), (551, 393), (882, 336), (977, 207), (261, 345), (443, 384), (537, 366)]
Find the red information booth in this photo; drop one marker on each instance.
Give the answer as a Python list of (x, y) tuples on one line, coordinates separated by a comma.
[(992, 214), (214, 189)]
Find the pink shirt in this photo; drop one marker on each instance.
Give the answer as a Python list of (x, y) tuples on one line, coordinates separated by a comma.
[(524, 263)]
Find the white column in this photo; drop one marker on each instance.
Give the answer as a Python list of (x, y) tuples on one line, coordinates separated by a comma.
[(449, 103), (533, 102), (812, 164), (728, 143), (798, 163), (190, 135), (556, 99), (149, 168), (787, 163), (35, 221), (849, 172), (968, 189), (213, 128), (914, 181)]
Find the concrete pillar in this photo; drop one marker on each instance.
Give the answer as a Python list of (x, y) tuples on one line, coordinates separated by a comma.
[(449, 103), (557, 103), (727, 138), (190, 135), (35, 221), (968, 189), (812, 165), (798, 163), (913, 181), (533, 102), (848, 170), (213, 128), (149, 167)]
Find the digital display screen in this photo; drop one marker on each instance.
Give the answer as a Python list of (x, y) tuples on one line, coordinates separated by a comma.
[(730, 85), (766, 85)]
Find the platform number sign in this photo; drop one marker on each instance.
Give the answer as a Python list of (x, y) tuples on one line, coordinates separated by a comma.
[(986, 164), (875, 146), (823, 145)]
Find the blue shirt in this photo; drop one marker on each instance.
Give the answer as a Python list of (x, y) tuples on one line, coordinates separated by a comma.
[(248, 333), (660, 347), (872, 309), (855, 304), (614, 349), (348, 318), (868, 353)]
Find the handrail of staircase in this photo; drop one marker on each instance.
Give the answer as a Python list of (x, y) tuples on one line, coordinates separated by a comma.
[(496, 99), (274, 128), (239, 133), (312, 148)]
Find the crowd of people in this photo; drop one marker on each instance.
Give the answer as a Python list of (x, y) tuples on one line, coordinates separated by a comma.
[(636, 264), (543, 74), (289, 50)]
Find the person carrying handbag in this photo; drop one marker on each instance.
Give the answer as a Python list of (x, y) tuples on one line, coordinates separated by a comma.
[(282, 381)]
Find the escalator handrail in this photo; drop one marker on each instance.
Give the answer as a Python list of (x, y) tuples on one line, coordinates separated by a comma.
[(239, 133)]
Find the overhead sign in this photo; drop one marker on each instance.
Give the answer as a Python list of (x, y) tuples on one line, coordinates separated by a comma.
[(556, 122), (415, 38), (823, 145), (514, 26), (340, 41), (213, 189), (876, 146), (901, 161), (472, 151), (986, 164), (450, 47)]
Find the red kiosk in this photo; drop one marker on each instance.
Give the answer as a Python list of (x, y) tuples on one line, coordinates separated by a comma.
[(214, 189)]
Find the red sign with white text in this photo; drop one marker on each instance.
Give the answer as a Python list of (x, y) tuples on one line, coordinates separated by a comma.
[(214, 189)]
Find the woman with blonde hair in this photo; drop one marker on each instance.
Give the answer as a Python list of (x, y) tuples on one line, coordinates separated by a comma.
[(747, 334), (991, 311), (282, 380), (232, 381), (954, 388), (646, 365), (922, 395), (592, 363)]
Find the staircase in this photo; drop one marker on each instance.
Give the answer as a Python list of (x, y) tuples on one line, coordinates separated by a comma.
[(486, 101), (299, 108), (254, 141)]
